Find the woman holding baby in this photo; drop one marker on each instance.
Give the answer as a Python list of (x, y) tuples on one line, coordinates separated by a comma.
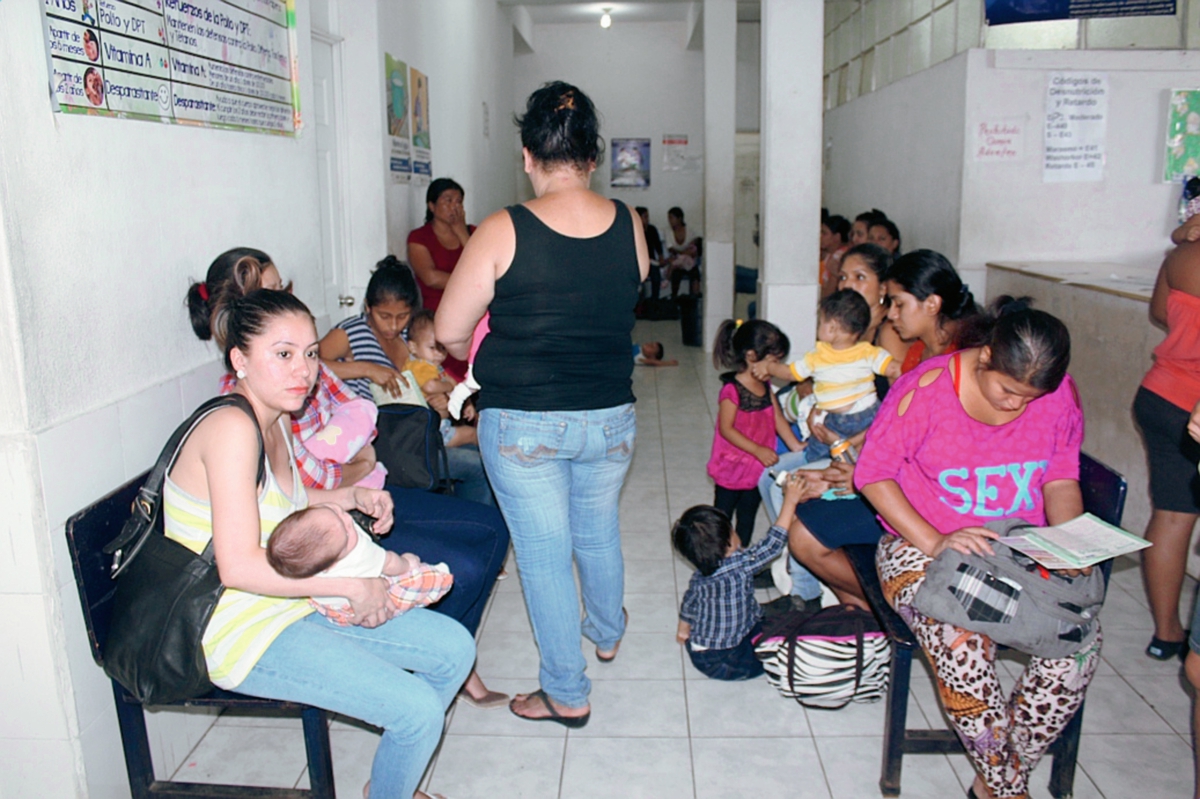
[(395, 672)]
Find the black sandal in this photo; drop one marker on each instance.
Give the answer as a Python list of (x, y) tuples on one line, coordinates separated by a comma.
[(573, 722), (1165, 650)]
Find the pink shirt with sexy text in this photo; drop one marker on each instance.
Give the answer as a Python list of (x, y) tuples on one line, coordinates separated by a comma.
[(958, 472)]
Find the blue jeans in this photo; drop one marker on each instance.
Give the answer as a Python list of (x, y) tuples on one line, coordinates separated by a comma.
[(466, 470), (557, 476), (844, 424), (400, 676), (804, 585), (737, 663), (470, 538)]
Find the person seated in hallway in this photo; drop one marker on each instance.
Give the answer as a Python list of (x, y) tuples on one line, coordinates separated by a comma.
[(400, 673), (655, 246), (1007, 413), (719, 617), (842, 367), (435, 247), (683, 255), (835, 238), (927, 302), (371, 348), (862, 224), (425, 360), (885, 233), (470, 537)]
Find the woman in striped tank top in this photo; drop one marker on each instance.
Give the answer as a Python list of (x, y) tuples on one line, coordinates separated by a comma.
[(263, 639)]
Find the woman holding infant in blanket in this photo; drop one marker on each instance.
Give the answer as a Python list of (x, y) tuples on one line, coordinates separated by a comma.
[(964, 439)]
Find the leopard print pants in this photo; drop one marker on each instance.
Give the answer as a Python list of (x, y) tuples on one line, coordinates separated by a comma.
[(1005, 737)]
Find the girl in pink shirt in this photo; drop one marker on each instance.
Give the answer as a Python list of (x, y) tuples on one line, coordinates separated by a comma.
[(986, 433), (748, 419)]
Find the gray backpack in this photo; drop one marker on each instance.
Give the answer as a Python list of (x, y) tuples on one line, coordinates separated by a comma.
[(1013, 600)]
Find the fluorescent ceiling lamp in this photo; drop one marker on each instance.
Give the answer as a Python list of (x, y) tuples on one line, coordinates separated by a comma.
[(606, 19)]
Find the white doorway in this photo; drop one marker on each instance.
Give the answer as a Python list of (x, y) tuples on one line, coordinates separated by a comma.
[(745, 212), (328, 124)]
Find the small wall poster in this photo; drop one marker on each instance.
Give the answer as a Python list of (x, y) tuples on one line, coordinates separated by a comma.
[(1183, 136), (1076, 127), (630, 164), (215, 63), (676, 155), (395, 81), (422, 164)]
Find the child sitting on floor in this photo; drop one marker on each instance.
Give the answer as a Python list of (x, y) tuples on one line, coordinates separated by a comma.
[(425, 360), (843, 369), (323, 541), (719, 616)]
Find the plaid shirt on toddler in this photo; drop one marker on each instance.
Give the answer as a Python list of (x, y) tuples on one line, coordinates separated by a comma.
[(721, 607)]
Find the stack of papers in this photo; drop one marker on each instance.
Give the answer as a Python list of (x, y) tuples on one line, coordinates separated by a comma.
[(1083, 541)]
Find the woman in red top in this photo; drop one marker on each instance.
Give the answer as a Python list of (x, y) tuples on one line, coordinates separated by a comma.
[(434, 248), (1167, 395)]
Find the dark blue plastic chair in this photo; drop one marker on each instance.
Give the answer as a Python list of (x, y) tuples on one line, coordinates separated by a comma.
[(87, 533), (1104, 493)]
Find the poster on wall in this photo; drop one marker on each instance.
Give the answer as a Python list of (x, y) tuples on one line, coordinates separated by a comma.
[(1183, 136), (1076, 127), (214, 63), (630, 164), (422, 163), (1007, 12), (395, 81), (676, 155)]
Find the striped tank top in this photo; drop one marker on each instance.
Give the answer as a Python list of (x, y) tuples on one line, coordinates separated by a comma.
[(364, 347), (243, 624)]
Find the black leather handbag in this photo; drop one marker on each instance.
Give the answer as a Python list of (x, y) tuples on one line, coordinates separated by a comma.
[(165, 592), (410, 445)]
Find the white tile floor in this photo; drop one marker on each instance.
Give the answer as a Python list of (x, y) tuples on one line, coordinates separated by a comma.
[(660, 729)]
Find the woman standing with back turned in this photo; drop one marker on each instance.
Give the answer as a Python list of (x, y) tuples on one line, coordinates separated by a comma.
[(560, 276)]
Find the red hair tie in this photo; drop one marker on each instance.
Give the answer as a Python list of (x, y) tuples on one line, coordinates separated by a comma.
[(204, 291)]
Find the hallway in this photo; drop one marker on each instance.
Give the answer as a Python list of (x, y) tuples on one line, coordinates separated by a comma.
[(661, 730)]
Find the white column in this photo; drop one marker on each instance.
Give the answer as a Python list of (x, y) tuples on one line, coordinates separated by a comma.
[(792, 62), (720, 75)]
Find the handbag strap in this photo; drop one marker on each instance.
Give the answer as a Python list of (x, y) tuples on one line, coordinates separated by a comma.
[(147, 504)]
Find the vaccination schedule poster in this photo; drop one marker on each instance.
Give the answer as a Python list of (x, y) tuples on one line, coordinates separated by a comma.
[(215, 63)]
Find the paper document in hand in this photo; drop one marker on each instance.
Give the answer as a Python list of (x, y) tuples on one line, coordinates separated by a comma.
[(1083, 541)]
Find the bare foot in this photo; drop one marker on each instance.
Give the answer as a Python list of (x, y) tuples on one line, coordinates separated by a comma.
[(479, 695)]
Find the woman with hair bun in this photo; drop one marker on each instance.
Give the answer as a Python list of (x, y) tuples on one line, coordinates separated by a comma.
[(560, 276), (929, 304), (469, 537)]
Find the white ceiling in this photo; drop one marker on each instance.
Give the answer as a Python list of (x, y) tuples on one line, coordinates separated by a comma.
[(549, 12)]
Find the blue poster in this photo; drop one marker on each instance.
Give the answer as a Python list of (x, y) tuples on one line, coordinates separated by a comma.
[(1006, 12)]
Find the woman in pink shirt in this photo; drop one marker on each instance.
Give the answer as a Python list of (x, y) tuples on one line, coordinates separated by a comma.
[(986, 433)]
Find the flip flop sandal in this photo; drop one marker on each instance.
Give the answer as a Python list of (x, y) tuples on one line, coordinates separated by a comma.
[(611, 655), (573, 722)]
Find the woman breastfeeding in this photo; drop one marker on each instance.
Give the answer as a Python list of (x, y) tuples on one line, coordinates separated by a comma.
[(399, 673), (467, 536), (928, 302), (986, 433)]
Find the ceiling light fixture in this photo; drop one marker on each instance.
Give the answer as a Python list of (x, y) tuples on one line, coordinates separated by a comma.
[(606, 19)]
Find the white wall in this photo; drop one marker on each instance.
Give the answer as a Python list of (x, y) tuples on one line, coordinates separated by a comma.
[(1008, 213), (466, 49), (900, 150), (644, 84), (749, 77), (103, 222)]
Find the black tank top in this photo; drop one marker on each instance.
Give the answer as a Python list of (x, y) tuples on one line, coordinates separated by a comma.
[(562, 317)]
